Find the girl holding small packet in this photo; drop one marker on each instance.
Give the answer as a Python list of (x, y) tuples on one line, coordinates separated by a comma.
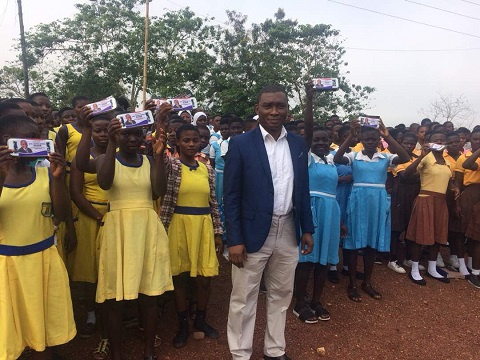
[(35, 304), (428, 224), (133, 246), (92, 203), (323, 180), (368, 209)]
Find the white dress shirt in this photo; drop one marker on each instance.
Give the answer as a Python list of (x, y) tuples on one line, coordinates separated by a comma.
[(281, 167)]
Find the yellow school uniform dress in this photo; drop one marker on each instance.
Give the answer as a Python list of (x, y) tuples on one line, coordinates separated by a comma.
[(133, 251), (71, 149), (191, 233), (85, 262), (450, 161), (73, 139), (51, 135), (35, 303)]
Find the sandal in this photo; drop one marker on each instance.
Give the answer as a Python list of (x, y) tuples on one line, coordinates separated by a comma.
[(320, 312), (371, 291), (305, 315), (102, 350), (353, 294)]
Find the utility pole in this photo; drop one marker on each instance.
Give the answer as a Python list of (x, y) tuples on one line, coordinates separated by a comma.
[(24, 50), (145, 54)]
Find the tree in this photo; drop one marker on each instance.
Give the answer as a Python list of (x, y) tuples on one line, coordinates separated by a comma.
[(447, 107), (99, 52), (281, 51)]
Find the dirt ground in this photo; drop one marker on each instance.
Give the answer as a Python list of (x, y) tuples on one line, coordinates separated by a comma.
[(438, 321)]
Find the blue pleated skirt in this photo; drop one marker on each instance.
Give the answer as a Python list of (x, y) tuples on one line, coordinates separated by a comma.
[(368, 219), (326, 218)]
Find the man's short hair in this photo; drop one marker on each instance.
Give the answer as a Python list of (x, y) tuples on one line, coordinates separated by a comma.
[(268, 89)]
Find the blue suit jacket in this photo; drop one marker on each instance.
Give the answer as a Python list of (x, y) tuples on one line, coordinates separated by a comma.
[(248, 190)]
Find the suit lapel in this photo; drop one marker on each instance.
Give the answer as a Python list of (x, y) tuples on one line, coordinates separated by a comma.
[(262, 152)]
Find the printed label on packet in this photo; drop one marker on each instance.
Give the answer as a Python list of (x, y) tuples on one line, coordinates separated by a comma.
[(30, 147), (159, 102), (179, 104), (104, 105), (436, 147), (371, 121), (141, 118), (325, 84)]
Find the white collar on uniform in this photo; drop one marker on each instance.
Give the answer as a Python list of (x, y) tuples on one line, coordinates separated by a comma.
[(265, 133), (361, 156), (318, 159)]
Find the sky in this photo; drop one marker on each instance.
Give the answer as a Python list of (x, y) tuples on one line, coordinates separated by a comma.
[(407, 80)]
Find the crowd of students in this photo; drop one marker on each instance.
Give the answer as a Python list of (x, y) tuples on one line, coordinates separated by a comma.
[(132, 214)]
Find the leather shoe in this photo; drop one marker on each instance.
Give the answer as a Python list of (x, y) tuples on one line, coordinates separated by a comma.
[(283, 357), (421, 282)]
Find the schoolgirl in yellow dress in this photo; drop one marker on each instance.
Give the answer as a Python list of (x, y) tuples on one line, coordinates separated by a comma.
[(91, 200), (132, 244), (190, 215), (67, 140), (35, 304)]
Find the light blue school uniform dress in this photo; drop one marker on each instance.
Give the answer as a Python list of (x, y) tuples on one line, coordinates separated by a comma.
[(343, 189), (323, 181), (216, 153), (368, 208)]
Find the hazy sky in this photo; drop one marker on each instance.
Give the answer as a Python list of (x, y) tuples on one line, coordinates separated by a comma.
[(406, 81)]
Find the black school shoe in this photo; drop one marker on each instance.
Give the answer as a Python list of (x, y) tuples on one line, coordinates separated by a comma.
[(180, 339), (443, 279), (421, 282), (474, 280), (333, 276), (283, 357)]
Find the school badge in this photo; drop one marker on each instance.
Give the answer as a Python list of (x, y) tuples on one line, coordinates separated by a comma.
[(47, 209)]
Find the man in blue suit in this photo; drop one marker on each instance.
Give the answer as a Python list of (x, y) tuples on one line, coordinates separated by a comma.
[(267, 207)]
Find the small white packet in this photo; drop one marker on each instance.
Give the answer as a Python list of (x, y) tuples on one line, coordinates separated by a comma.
[(371, 121), (325, 84), (140, 118), (159, 102), (30, 147), (104, 105), (436, 147), (179, 104)]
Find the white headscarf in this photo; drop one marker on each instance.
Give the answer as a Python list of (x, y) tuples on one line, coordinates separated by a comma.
[(197, 116), (182, 111)]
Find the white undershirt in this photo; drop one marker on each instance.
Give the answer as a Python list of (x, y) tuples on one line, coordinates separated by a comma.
[(281, 167)]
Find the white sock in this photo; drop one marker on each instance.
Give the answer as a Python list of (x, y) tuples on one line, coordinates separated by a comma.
[(470, 260), (91, 318), (333, 268), (463, 268), (475, 272), (415, 272), (432, 269)]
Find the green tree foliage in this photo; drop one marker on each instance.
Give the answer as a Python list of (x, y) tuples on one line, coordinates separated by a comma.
[(99, 52), (281, 51)]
